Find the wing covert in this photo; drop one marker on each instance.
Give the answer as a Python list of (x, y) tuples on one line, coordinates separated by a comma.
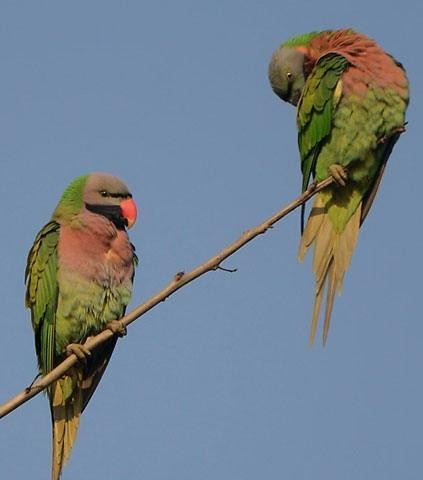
[(316, 108), (42, 291)]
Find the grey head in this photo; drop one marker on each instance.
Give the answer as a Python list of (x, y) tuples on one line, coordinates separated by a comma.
[(286, 74)]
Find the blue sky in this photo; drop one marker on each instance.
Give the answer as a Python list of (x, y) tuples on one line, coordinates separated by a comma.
[(218, 382)]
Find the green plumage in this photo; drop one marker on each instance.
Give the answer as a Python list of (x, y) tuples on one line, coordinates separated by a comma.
[(355, 143), (79, 279), (42, 292), (351, 98), (300, 40), (316, 111)]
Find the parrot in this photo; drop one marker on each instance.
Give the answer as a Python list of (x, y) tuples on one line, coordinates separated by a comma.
[(351, 98), (79, 277)]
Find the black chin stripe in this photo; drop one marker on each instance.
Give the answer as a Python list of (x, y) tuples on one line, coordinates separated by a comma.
[(112, 212)]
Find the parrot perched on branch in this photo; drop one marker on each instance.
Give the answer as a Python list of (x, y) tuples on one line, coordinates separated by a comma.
[(351, 98), (79, 277)]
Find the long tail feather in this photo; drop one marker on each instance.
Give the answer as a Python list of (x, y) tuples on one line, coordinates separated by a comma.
[(66, 407), (332, 256), (68, 398), (331, 289), (316, 311)]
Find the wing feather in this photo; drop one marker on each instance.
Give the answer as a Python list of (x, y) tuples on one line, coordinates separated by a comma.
[(316, 109), (42, 291)]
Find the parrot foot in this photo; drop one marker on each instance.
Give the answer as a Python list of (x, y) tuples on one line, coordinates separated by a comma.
[(81, 352), (117, 327), (339, 174)]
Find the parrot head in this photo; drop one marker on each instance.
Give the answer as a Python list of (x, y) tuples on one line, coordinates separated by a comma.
[(98, 193), (110, 197), (287, 73)]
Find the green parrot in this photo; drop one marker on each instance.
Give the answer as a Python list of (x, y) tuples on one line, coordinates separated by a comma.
[(351, 99), (79, 277)]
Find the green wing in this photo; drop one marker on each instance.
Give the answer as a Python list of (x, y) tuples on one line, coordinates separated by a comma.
[(42, 292), (316, 109)]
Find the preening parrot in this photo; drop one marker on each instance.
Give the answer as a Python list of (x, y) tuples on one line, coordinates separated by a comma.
[(351, 98), (79, 277)]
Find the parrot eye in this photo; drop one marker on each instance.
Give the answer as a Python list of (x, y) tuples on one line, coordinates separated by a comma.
[(104, 193), (289, 75)]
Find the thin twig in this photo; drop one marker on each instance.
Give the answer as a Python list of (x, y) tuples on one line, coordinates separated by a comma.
[(179, 280), (225, 269)]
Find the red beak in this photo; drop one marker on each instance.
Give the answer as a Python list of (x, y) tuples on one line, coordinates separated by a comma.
[(129, 211)]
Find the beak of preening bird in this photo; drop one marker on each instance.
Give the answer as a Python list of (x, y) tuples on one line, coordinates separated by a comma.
[(129, 211)]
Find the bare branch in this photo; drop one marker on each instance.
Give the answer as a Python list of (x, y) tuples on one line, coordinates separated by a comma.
[(179, 280)]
